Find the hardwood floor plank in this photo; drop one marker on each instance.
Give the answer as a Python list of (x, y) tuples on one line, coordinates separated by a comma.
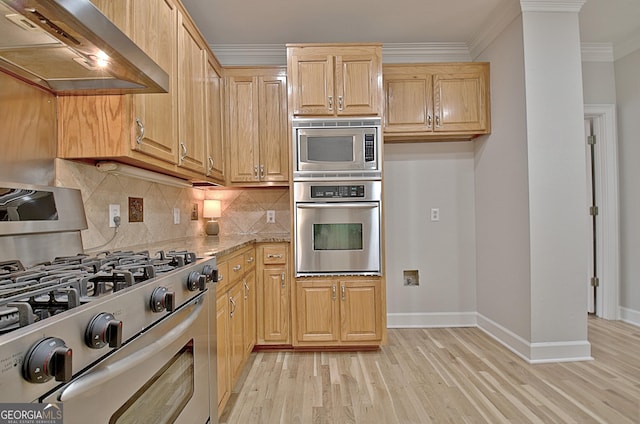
[(442, 375)]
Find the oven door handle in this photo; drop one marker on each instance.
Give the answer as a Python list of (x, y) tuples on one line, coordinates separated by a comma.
[(358, 205), (90, 381)]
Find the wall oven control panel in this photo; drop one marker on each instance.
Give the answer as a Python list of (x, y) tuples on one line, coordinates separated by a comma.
[(337, 191)]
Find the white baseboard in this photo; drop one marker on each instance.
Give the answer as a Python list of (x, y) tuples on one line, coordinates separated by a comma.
[(436, 319), (630, 316)]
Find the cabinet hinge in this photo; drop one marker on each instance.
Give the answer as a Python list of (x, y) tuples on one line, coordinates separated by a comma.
[(595, 282), (591, 140), (593, 211)]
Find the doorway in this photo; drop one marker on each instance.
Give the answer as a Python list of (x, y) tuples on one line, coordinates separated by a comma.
[(602, 170)]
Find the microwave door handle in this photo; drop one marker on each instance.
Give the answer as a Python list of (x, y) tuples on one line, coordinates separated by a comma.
[(85, 383), (359, 205)]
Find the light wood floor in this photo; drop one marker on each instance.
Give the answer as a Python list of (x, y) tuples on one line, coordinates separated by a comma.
[(444, 375)]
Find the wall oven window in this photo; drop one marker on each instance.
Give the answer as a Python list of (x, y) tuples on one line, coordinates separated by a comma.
[(345, 236), (164, 396)]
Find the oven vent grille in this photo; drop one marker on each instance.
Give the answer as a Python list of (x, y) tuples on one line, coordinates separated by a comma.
[(336, 123)]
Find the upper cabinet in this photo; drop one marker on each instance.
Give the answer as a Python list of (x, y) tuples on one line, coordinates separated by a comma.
[(167, 132), (448, 101), (214, 119), (257, 135), (334, 79)]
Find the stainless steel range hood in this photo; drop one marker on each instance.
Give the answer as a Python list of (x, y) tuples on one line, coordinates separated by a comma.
[(70, 47)]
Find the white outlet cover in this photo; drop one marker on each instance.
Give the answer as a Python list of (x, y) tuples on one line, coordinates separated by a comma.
[(176, 216)]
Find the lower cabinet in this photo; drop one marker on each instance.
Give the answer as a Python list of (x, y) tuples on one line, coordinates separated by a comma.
[(274, 293), (236, 318), (340, 312)]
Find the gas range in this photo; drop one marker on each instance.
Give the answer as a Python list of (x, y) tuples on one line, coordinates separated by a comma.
[(129, 317)]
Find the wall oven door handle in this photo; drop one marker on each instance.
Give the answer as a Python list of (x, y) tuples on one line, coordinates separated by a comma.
[(334, 205), (86, 383)]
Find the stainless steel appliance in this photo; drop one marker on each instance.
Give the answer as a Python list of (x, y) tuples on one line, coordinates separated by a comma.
[(114, 336), (337, 227), (339, 148), (70, 47)]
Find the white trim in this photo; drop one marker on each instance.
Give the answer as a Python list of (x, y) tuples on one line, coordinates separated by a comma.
[(500, 18), (597, 52), (250, 54), (572, 6), (629, 45), (608, 228), (425, 52), (427, 320), (630, 316), (536, 353)]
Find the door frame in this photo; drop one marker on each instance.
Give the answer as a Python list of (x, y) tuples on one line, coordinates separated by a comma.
[(607, 220)]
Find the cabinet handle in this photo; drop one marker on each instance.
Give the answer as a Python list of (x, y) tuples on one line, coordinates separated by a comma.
[(333, 292), (140, 134), (344, 294), (250, 260), (274, 255), (255, 172), (339, 102), (184, 151), (246, 291), (282, 281), (210, 166), (262, 171), (429, 121), (237, 268), (220, 277), (331, 103), (437, 121), (233, 309)]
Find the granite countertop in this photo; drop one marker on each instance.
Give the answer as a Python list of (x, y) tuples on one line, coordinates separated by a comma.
[(214, 245)]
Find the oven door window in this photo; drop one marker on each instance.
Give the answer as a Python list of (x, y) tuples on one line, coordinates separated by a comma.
[(337, 236), (164, 396)]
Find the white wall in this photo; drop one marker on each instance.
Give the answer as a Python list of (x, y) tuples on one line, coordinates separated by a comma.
[(502, 202), (418, 177), (628, 103), (598, 83)]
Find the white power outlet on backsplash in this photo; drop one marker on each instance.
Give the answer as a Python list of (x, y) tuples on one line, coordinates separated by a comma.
[(271, 217)]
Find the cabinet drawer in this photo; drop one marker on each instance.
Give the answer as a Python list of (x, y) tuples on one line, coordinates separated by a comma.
[(250, 260), (223, 277), (274, 255), (236, 268)]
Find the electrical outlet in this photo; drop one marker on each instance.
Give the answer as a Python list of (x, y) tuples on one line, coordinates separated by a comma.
[(114, 211), (435, 214), (176, 215), (271, 217)]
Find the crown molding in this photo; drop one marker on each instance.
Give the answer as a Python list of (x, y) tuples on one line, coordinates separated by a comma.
[(425, 52), (630, 45), (250, 54), (573, 6), (597, 52), (500, 18)]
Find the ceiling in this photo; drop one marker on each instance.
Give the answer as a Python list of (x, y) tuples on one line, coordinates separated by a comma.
[(277, 22)]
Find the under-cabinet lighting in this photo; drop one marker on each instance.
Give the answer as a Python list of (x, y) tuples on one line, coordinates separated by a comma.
[(142, 174)]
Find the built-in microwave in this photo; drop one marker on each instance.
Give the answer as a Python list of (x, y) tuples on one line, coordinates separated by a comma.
[(338, 148)]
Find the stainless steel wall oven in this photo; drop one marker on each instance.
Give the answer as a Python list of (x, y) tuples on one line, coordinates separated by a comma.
[(337, 227)]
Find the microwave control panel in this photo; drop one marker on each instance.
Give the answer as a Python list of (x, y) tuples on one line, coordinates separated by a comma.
[(369, 148), (337, 191)]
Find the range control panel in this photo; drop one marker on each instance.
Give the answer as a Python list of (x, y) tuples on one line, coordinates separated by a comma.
[(337, 191)]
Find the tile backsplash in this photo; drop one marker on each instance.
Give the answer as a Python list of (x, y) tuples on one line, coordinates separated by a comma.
[(243, 209)]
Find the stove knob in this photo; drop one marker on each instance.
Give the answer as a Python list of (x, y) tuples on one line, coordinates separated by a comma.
[(162, 299), (103, 329), (196, 281), (211, 273), (47, 359)]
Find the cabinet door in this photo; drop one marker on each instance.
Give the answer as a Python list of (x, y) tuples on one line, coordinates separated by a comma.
[(313, 85), (154, 25), (409, 106), (317, 311), (244, 153), (249, 284), (236, 329), (191, 90), (272, 127), (274, 310), (357, 85), (360, 311), (222, 327), (460, 102), (214, 107)]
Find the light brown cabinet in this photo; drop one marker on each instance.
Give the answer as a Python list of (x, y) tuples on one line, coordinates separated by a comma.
[(165, 132), (340, 312), (257, 135), (214, 112), (334, 79), (236, 315), (447, 101), (273, 295)]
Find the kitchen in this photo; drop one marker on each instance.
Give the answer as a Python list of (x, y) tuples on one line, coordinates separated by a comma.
[(461, 166)]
